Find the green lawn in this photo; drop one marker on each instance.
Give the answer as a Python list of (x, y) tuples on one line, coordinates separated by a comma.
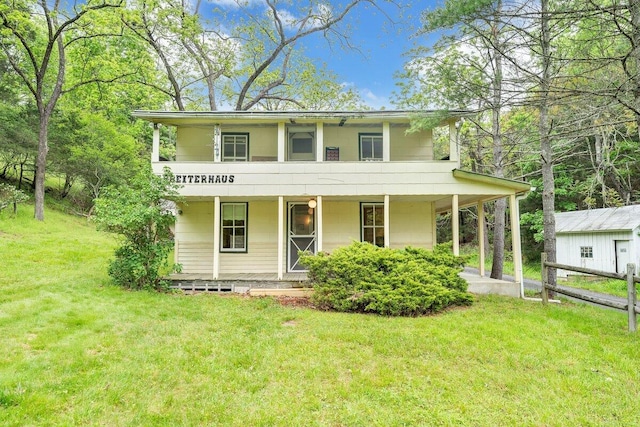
[(75, 351)]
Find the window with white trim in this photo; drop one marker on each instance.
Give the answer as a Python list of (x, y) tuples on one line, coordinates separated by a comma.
[(586, 251), (234, 227), (372, 219), (302, 143), (235, 147), (370, 146)]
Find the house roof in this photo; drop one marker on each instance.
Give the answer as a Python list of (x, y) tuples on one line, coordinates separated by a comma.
[(258, 117), (598, 220)]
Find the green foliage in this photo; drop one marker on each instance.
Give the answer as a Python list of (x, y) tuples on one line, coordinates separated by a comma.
[(365, 278), (10, 195), (140, 215)]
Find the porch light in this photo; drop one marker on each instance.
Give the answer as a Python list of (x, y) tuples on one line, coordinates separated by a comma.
[(313, 203)]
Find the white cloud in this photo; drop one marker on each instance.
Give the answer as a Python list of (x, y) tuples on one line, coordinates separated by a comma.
[(373, 100)]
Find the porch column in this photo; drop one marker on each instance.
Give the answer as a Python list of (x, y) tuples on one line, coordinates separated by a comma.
[(216, 237), (455, 224), (453, 141), (319, 142), (514, 209), (217, 144), (481, 237), (280, 236), (386, 221), (155, 149), (281, 141), (386, 142), (319, 227)]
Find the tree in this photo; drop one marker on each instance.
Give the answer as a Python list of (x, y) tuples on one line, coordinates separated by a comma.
[(470, 59), (246, 57), (95, 152), (142, 217), (35, 39)]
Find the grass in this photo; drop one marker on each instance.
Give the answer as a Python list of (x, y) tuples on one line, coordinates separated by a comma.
[(78, 351)]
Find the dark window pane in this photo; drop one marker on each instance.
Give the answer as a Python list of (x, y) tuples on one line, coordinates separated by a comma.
[(302, 145), (377, 148), (226, 238), (241, 150), (367, 215), (380, 215), (366, 150), (228, 150), (367, 235)]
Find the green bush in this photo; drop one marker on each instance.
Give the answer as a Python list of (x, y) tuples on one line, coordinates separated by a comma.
[(141, 216), (365, 278)]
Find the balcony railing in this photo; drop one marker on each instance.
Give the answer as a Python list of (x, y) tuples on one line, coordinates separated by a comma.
[(204, 179)]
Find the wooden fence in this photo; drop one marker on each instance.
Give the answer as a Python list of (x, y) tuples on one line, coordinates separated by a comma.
[(629, 306)]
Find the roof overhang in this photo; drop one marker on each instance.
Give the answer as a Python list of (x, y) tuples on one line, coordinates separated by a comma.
[(489, 188), (202, 118)]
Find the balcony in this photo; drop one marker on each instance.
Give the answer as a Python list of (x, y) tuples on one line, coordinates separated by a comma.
[(229, 179)]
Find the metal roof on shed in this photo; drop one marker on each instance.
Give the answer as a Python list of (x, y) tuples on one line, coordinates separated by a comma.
[(598, 220)]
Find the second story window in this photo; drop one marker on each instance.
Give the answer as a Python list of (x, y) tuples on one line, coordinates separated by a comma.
[(371, 147), (302, 144), (235, 147)]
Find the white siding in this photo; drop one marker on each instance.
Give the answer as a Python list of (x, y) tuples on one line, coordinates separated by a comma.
[(194, 144), (194, 237), (411, 224), (341, 224), (604, 251), (262, 242)]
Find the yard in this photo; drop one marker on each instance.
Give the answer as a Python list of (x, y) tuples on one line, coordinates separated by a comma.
[(75, 350)]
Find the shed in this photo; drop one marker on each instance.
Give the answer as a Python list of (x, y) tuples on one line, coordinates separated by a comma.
[(601, 239)]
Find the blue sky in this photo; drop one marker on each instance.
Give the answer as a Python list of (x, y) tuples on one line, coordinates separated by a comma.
[(383, 44), (382, 37)]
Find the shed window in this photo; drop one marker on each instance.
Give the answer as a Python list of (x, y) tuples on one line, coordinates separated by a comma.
[(586, 251)]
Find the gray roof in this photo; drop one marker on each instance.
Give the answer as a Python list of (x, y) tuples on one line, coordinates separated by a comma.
[(624, 218)]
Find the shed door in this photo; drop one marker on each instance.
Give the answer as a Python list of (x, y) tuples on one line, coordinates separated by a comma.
[(622, 256)]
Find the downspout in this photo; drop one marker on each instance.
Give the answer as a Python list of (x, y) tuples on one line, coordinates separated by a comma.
[(520, 274)]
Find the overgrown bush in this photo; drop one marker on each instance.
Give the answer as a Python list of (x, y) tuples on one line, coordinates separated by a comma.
[(398, 282), (140, 215)]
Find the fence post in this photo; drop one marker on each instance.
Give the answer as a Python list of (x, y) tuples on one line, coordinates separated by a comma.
[(545, 277), (631, 298)]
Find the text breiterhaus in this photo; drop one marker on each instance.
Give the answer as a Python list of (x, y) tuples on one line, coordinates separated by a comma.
[(204, 179)]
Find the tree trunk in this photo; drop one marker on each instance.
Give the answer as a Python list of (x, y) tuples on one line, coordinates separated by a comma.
[(546, 150), (496, 131), (634, 10), (498, 239), (41, 164)]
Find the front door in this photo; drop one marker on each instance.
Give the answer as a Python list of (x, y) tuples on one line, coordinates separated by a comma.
[(301, 232), (622, 256)]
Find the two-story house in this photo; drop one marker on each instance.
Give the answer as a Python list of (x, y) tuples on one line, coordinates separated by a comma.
[(262, 186)]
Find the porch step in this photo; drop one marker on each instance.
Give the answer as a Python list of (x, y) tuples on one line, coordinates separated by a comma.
[(291, 292), (234, 285)]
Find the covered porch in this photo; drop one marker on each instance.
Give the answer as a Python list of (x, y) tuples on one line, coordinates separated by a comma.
[(295, 284)]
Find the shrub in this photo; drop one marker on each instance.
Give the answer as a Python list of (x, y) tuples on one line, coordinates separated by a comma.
[(140, 215), (10, 195), (365, 278)]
